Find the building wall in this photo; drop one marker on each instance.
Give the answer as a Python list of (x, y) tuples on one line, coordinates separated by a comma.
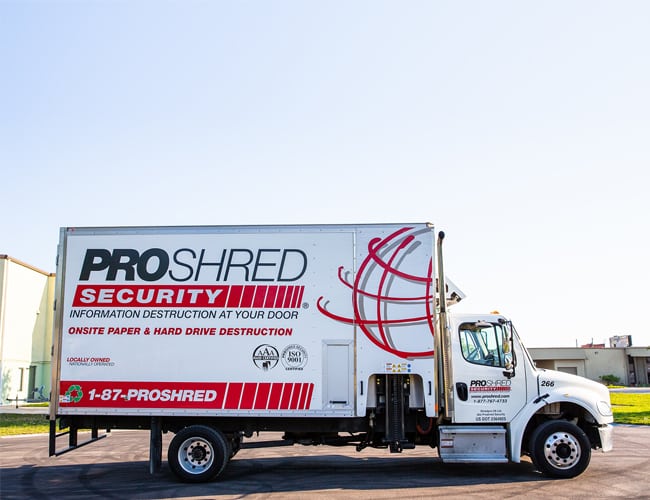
[(601, 362), (26, 309), (639, 365), (586, 362)]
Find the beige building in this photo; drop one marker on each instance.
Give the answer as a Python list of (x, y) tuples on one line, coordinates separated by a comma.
[(630, 364), (26, 311)]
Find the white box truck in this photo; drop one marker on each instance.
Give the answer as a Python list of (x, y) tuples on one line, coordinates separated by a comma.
[(331, 334)]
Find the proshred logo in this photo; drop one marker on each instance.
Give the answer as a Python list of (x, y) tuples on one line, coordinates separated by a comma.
[(484, 385), (186, 264), (264, 276)]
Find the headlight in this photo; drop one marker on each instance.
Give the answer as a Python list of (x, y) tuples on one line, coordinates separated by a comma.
[(604, 408)]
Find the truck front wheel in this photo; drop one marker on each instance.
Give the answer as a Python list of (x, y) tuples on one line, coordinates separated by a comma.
[(198, 453), (560, 449)]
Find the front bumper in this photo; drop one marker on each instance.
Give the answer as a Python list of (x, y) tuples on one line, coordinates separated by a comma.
[(606, 437)]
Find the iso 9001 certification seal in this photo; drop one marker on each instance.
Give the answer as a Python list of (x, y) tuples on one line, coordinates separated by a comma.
[(294, 357)]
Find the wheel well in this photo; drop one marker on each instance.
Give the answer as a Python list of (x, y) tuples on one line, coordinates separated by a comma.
[(563, 411)]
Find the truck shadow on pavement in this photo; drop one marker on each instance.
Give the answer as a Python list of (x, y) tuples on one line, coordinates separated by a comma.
[(262, 476)]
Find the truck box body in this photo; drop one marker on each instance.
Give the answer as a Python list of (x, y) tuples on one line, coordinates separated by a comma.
[(268, 321)]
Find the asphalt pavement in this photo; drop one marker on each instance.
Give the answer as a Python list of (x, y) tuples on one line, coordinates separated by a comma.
[(117, 467)]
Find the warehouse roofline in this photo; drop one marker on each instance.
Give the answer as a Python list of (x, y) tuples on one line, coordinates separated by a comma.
[(24, 264)]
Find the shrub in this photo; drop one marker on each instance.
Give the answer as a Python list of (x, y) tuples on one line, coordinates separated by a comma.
[(610, 379)]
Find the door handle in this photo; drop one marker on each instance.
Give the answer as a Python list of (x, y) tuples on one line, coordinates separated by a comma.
[(461, 390)]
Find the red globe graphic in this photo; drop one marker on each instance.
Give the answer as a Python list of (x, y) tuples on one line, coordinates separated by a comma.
[(392, 294)]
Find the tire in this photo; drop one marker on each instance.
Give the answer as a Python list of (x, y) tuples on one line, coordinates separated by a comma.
[(198, 453), (560, 449)]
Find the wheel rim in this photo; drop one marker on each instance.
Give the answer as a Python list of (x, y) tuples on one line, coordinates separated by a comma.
[(195, 455), (562, 450)]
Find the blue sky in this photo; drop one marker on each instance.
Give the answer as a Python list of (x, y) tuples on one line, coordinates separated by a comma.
[(520, 128)]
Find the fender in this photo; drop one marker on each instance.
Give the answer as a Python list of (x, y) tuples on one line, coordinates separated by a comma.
[(517, 426)]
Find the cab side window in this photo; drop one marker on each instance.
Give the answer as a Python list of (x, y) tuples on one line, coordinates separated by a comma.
[(483, 344)]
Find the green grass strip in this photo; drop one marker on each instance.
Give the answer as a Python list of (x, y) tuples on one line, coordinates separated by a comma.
[(12, 424), (629, 408)]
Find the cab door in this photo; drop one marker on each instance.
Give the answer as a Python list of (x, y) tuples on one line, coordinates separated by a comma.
[(487, 386)]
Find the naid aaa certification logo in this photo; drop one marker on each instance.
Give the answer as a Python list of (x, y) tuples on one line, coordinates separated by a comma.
[(265, 357)]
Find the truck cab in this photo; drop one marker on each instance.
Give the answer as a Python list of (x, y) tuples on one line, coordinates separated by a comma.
[(555, 418)]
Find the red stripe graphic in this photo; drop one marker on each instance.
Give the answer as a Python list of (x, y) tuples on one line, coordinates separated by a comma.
[(248, 398), (282, 290), (247, 299), (287, 297), (187, 395), (297, 298), (213, 296), (500, 388), (303, 397), (262, 398), (286, 395), (233, 396), (295, 397), (270, 296), (234, 297), (274, 399), (260, 294), (310, 392)]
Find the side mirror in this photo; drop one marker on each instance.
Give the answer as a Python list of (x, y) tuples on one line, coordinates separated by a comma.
[(509, 371), (508, 356)]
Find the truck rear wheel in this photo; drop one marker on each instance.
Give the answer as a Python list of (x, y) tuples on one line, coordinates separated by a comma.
[(198, 453), (560, 449)]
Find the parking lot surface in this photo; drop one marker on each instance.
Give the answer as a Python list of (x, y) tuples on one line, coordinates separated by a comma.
[(117, 467)]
